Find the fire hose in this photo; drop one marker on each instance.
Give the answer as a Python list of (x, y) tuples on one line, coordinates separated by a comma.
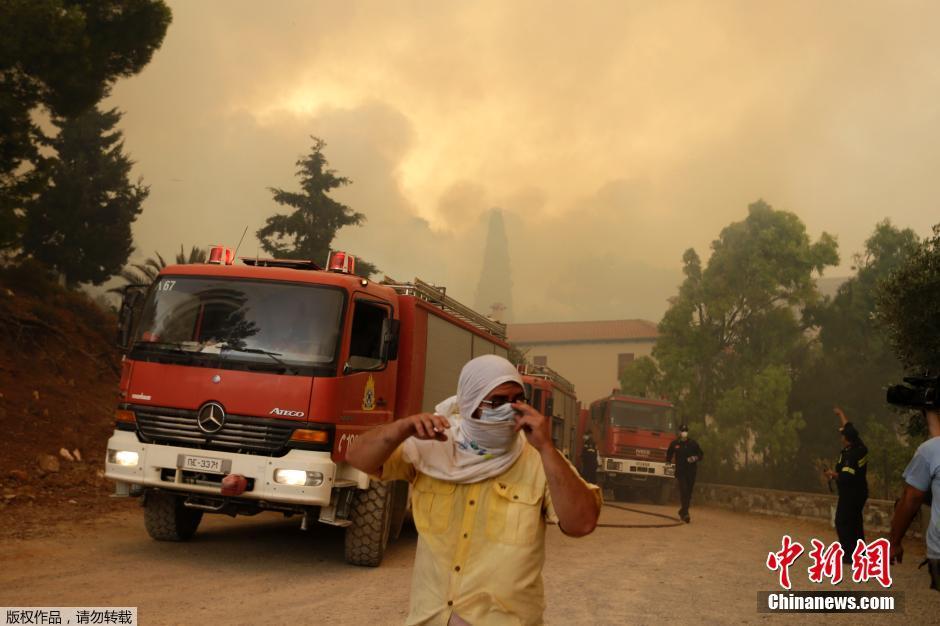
[(673, 521)]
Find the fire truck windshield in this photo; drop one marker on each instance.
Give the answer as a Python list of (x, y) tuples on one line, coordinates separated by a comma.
[(645, 416), (234, 324)]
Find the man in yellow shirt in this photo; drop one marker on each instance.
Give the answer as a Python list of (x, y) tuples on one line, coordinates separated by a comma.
[(486, 478)]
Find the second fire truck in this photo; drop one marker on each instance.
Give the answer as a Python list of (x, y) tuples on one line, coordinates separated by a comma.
[(632, 436)]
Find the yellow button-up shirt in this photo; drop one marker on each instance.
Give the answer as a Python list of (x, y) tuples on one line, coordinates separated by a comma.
[(481, 546)]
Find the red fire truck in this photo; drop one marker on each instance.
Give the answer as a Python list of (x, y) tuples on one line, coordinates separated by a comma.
[(553, 395), (632, 435), (243, 384)]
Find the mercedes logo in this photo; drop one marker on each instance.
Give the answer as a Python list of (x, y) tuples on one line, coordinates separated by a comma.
[(211, 417)]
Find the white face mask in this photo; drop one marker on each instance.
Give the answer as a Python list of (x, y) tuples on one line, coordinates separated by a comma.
[(503, 413), (485, 438)]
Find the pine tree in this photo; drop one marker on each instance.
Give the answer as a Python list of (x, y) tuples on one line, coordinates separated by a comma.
[(80, 224), (309, 230), (60, 56)]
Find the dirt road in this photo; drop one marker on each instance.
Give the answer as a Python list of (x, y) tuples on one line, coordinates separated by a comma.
[(264, 570)]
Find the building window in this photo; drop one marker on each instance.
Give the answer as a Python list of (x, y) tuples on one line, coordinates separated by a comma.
[(624, 360), (540, 360)]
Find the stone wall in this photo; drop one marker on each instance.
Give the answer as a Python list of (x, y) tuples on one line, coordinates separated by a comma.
[(803, 505)]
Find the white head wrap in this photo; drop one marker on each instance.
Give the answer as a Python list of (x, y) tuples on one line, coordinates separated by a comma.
[(477, 378), (473, 451)]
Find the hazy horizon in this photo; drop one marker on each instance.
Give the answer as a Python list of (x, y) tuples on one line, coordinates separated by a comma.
[(612, 138)]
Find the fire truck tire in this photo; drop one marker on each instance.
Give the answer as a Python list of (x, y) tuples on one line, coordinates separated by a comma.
[(371, 518), (664, 495), (621, 493), (167, 519), (399, 508)]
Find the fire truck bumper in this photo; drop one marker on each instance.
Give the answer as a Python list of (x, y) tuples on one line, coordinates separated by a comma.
[(299, 477), (624, 470)]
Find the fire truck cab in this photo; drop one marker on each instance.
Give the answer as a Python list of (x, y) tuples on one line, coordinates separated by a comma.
[(243, 384)]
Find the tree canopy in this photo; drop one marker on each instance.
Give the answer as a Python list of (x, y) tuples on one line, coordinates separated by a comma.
[(851, 362), (641, 378), (729, 338), (62, 55), (308, 231), (756, 359), (80, 223), (908, 306)]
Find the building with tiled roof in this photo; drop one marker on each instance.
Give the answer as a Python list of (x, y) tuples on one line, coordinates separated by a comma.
[(589, 354)]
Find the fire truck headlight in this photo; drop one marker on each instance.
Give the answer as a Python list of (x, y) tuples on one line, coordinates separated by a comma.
[(669, 470), (298, 478), (127, 458)]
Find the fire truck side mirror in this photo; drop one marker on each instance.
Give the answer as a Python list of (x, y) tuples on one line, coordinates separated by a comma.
[(390, 329), (130, 299)]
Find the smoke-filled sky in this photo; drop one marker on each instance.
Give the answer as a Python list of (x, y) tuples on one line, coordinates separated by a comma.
[(614, 135)]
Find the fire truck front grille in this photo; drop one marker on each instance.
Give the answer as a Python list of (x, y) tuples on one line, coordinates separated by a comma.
[(239, 433), (642, 454)]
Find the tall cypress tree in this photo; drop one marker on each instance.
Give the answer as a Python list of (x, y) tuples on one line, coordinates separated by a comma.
[(494, 291), (80, 224)]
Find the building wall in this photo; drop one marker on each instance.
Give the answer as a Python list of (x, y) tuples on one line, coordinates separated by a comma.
[(591, 366)]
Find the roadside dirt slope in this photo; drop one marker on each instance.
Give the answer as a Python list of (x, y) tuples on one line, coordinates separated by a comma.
[(58, 383)]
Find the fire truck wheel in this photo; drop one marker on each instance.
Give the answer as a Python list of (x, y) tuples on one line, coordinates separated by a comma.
[(167, 519), (663, 495), (621, 493), (371, 518), (400, 490)]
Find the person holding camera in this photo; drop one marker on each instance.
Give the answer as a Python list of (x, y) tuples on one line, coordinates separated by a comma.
[(922, 484), (852, 481)]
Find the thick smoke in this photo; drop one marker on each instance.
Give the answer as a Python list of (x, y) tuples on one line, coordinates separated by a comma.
[(613, 136)]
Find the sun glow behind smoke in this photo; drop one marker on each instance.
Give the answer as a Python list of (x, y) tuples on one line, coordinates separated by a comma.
[(615, 136)]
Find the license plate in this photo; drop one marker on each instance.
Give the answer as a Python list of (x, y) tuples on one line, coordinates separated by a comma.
[(642, 464), (203, 464)]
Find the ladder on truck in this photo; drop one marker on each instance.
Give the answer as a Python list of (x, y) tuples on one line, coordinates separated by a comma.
[(439, 298), (544, 371)]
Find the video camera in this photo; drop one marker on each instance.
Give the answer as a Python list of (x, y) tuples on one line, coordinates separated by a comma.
[(919, 392)]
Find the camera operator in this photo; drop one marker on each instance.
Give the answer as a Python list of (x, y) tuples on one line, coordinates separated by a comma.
[(922, 478)]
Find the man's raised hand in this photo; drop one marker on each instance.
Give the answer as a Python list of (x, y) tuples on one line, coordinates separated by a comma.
[(429, 426), (536, 426), (842, 418)]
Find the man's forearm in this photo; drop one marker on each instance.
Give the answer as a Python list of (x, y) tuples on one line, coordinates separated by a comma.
[(904, 513), (369, 451), (575, 504), (933, 422)]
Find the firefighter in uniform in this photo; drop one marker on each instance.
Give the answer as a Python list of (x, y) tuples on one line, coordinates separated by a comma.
[(851, 478), (589, 460), (687, 453)]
